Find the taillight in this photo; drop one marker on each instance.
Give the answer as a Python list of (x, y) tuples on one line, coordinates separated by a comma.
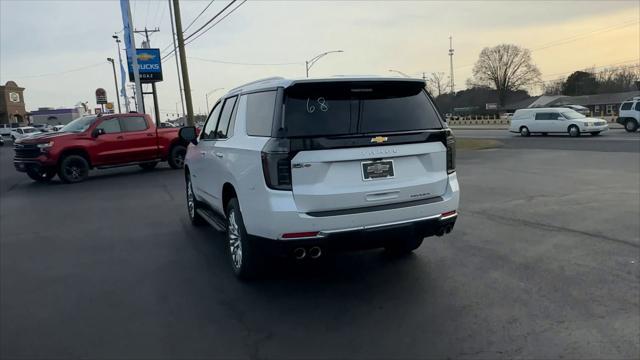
[(276, 164), (451, 152)]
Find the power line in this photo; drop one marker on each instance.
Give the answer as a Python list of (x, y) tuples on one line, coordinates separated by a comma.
[(197, 17), (244, 63), (164, 58), (217, 22), (210, 20), (61, 72), (575, 37)]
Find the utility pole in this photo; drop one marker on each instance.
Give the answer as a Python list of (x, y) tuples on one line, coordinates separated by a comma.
[(115, 80), (175, 49), (154, 93), (123, 92), (135, 101), (183, 63), (453, 86)]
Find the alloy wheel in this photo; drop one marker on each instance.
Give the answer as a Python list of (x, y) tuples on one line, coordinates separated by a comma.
[(235, 241), (190, 200)]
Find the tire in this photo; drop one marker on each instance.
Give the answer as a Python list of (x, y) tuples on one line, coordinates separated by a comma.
[(192, 204), (176, 156), (41, 175), (573, 131), (631, 125), (73, 169), (404, 246), (243, 254), (13, 138), (524, 131), (148, 165), (595, 133)]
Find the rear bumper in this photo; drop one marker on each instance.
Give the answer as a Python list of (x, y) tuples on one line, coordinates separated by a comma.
[(360, 239), (278, 215)]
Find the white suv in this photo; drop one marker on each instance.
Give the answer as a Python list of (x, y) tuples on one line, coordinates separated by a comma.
[(304, 167), (629, 114)]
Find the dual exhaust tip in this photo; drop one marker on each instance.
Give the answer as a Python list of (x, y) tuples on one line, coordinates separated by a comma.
[(444, 230), (313, 253)]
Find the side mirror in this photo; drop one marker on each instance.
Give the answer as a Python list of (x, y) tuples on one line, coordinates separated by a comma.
[(188, 134), (97, 132)]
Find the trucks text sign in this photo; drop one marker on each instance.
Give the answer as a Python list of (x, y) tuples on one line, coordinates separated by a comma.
[(149, 65)]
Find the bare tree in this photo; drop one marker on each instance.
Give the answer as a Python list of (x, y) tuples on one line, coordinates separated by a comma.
[(506, 68), (553, 87), (437, 83)]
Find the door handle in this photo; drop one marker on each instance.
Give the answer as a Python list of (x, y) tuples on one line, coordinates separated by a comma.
[(120, 137), (149, 135), (203, 153), (219, 155)]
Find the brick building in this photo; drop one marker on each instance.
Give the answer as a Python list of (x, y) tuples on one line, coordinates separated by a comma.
[(12, 109)]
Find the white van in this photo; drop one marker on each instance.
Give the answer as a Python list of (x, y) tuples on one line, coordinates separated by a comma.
[(555, 120)]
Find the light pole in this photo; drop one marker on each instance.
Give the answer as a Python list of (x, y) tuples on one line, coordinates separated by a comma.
[(309, 63), (115, 80), (124, 89), (399, 72), (207, 96)]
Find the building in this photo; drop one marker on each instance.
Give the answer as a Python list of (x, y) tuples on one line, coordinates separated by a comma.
[(12, 108), (51, 116), (599, 104)]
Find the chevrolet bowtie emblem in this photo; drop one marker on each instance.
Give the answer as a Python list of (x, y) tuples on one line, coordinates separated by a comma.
[(379, 139)]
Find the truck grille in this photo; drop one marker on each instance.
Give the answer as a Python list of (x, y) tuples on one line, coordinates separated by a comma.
[(26, 151)]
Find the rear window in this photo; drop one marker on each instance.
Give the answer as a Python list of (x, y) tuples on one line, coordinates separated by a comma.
[(341, 108), (131, 124)]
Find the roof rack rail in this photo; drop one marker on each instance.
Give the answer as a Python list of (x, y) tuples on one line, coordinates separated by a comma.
[(256, 82)]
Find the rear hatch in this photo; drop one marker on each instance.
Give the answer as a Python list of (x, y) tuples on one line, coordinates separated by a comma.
[(363, 144)]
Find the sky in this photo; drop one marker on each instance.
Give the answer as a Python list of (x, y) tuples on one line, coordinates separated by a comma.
[(57, 50)]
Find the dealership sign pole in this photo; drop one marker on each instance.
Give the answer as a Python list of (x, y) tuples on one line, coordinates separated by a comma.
[(130, 43)]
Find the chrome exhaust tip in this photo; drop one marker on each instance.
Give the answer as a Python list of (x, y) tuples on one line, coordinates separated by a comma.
[(315, 252), (299, 253)]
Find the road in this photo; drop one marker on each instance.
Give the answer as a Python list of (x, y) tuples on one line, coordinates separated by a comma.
[(616, 140), (543, 263)]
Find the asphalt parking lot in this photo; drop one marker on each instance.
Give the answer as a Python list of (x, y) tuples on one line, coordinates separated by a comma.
[(544, 262)]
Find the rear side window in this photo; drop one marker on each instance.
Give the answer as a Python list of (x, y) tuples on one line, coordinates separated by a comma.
[(225, 118), (110, 126), (638, 106), (340, 108), (547, 116), (260, 108), (626, 106), (136, 123)]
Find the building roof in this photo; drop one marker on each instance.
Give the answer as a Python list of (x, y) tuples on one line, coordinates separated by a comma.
[(596, 99), (53, 111), (282, 82)]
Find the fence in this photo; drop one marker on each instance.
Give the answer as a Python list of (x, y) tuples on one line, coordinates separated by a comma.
[(495, 120)]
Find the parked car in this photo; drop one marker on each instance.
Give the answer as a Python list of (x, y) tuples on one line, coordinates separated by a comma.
[(629, 114), (555, 120), (5, 129), (287, 167), (24, 132), (98, 142)]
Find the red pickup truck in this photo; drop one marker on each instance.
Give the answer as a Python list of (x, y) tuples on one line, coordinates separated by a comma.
[(98, 142)]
